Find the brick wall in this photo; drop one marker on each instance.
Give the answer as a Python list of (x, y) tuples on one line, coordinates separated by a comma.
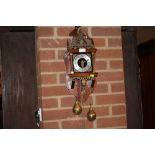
[(55, 99)]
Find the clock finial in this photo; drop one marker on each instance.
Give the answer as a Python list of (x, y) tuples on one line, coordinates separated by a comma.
[(80, 39), (76, 31)]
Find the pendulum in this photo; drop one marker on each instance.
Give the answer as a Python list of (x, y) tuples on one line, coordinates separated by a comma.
[(77, 109), (91, 115)]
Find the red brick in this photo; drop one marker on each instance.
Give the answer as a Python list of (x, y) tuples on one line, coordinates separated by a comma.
[(45, 31), (99, 42), (54, 91), (109, 54), (53, 43), (49, 103), (122, 127), (64, 31), (57, 114), (116, 64), (101, 88), (62, 78), (100, 65), (48, 79), (111, 122), (67, 102), (46, 55), (50, 125), (61, 54), (118, 110), (110, 99), (114, 42), (89, 100), (110, 76), (76, 124), (106, 31), (117, 87), (52, 67), (101, 111)]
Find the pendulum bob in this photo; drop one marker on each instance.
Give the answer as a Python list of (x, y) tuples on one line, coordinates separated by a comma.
[(91, 115), (77, 109)]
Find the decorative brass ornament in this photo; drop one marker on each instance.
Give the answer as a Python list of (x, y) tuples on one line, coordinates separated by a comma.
[(91, 115), (80, 39), (80, 72), (77, 109)]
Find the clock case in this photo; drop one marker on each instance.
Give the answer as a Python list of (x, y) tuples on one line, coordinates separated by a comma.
[(87, 48)]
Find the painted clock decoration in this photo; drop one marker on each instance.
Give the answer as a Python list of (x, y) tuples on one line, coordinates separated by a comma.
[(80, 73)]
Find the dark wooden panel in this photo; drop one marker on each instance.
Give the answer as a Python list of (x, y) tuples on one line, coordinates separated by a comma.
[(19, 80), (147, 65), (17, 28), (1, 114), (132, 78)]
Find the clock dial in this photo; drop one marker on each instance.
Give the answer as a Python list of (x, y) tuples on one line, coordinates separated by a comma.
[(82, 63)]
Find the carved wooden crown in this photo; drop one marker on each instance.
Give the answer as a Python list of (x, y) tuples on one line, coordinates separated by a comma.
[(79, 40)]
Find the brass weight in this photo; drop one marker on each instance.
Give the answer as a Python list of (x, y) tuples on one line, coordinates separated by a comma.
[(91, 115), (77, 109)]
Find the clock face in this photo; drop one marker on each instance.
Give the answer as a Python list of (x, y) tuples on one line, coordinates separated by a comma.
[(82, 62)]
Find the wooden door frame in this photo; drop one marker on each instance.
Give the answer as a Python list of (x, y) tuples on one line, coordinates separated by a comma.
[(13, 30), (132, 78)]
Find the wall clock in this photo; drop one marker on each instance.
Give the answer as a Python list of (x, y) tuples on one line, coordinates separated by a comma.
[(80, 72)]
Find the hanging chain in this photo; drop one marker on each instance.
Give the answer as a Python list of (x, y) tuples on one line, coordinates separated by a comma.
[(83, 116), (83, 83)]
